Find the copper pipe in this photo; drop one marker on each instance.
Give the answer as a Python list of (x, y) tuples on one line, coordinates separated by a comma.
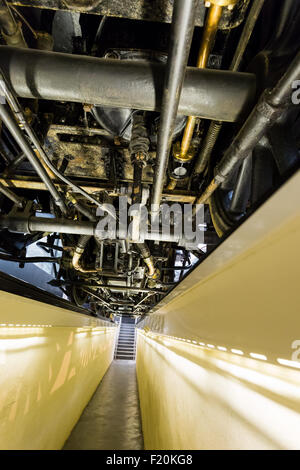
[(76, 263), (79, 250), (209, 34), (171, 185), (52, 176), (151, 269)]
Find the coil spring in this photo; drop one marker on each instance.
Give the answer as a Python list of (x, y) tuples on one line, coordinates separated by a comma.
[(208, 145), (139, 143)]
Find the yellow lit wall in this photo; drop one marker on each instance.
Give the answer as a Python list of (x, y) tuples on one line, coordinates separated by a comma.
[(51, 361), (218, 360), (194, 397)]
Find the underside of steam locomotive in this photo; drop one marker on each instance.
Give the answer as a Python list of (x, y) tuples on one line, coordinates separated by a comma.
[(136, 135)]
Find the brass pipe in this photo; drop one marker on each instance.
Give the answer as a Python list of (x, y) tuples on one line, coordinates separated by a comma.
[(51, 175), (76, 262), (79, 250), (151, 269), (209, 34), (171, 185)]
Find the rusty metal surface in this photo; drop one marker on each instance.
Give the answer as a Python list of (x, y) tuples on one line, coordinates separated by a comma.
[(87, 150), (155, 10), (148, 10), (81, 5), (32, 183), (84, 158)]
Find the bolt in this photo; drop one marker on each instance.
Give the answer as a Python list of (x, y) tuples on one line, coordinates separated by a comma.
[(207, 4), (230, 7), (87, 107)]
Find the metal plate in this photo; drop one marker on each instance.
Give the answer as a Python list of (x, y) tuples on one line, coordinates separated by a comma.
[(154, 10), (87, 152), (151, 10)]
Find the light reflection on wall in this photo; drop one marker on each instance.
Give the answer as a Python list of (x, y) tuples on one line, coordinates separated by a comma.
[(196, 397), (48, 374)]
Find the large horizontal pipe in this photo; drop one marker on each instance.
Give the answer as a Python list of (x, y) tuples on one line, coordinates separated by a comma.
[(24, 224), (41, 224), (75, 227), (210, 94)]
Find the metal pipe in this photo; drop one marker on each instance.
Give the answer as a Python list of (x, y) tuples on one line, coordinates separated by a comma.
[(246, 34), (216, 126), (17, 223), (142, 301), (46, 164), (32, 259), (211, 94), (268, 109), (79, 250), (16, 132), (139, 146), (81, 208), (41, 224), (243, 185), (129, 289), (177, 268), (24, 182), (137, 187), (207, 147), (171, 185), (148, 260), (10, 169), (98, 297), (181, 35), (98, 35), (207, 42), (12, 196), (144, 290), (151, 269)]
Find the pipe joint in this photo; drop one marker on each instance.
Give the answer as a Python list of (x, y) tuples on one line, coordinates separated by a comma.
[(267, 108)]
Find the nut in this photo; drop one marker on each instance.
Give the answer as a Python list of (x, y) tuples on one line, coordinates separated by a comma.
[(87, 107)]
